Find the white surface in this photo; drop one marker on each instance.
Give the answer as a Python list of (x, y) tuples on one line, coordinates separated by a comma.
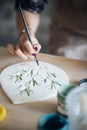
[(47, 77)]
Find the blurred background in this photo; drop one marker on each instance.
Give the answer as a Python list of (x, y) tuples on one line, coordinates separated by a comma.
[(8, 30)]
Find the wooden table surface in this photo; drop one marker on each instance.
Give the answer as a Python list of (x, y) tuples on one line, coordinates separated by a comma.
[(25, 116)]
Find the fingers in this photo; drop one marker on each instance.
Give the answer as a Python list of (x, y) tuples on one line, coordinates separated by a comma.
[(16, 51), (11, 49), (31, 57), (28, 47), (24, 48), (37, 48), (19, 53), (32, 49)]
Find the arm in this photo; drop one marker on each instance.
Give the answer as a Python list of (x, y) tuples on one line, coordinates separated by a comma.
[(24, 48), (32, 21)]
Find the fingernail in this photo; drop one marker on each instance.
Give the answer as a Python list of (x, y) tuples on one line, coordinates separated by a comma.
[(35, 48)]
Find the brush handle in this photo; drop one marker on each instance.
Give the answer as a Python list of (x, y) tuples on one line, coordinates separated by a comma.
[(25, 25)]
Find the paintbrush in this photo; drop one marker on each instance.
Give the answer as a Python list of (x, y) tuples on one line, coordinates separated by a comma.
[(27, 31)]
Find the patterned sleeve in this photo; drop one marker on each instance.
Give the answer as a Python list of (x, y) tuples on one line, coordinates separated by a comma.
[(34, 6)]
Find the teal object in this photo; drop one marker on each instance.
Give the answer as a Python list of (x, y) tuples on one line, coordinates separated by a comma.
[(52, 122)]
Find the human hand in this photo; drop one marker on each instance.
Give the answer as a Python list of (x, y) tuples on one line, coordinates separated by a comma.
[(24, 49)]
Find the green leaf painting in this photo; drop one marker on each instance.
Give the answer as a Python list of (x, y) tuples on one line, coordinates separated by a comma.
[(34, 77)]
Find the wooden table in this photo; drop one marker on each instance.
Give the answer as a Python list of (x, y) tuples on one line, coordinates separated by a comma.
[(25, 116)]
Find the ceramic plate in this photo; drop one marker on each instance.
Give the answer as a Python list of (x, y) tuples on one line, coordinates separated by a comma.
[(26, 82)]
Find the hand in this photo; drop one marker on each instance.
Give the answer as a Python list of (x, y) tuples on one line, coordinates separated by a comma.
[(24, 49)]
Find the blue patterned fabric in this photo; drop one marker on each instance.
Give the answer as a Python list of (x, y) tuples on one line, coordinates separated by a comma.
[(34, 6)]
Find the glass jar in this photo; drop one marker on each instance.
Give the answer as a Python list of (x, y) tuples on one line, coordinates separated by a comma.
[(76, 106), (61, 96)]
